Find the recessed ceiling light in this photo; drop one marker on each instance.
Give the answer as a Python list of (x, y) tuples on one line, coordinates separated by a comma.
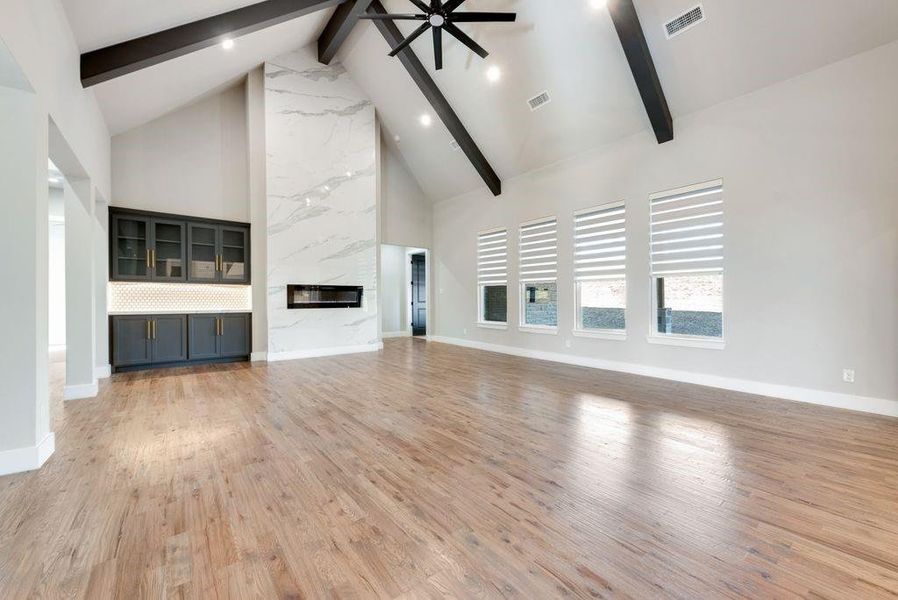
[(426, 120), (494, 74), (227, 44), (598, 4), (54, 180), (349, 173)]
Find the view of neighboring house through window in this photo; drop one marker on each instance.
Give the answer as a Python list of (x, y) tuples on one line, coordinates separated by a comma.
[(600, 268), (688, 260), (539, 274), (492, 276)]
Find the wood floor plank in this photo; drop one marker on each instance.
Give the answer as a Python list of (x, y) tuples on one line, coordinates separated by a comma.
[(430, 471)]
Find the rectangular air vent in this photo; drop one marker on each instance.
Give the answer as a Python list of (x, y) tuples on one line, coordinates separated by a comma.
[(685, 21), (539, 101)]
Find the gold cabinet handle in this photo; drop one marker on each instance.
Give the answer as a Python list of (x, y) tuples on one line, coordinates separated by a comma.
[(154, 329), (149, 337), (148, 258), (153, 258), (221, 326)]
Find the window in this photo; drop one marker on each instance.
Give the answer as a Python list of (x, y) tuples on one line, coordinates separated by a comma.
[(539, 275), (492, 277), (687, 261), (600, 268)]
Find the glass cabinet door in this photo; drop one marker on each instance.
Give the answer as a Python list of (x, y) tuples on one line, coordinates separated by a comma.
[(131, 248), (169, 250), (234, 253), (202, 253)]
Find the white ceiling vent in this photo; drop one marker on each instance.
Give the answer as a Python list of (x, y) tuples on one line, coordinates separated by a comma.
[(685, 21), (539, 101)]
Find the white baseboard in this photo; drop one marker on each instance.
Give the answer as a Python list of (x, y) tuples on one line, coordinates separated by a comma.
[(29, 458), (319, 352), (259, 357), (81, 391), (879, 406), (104, 372), (395, 334)]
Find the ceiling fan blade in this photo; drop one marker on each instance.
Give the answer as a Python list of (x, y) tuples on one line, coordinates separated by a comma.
[(480, 17), (394, 17), (452, 5), (420, 5), (462, 37), (435, 5), (438, 47), (415, 35)]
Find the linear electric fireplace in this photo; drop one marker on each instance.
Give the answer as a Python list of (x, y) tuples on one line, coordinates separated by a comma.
[(324, 296)]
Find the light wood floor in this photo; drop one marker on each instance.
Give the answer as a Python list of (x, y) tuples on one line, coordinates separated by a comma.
[(430, 471)]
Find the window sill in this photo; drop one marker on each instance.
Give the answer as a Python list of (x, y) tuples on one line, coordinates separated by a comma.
[(541, 329), (497, 326), (686, 341), (600, 334)]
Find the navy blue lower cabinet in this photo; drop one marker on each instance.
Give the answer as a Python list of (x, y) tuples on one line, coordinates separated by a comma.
[(203, 337), (155, 341)]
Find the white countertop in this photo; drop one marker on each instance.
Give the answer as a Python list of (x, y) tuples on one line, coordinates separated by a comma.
[(177, 312)]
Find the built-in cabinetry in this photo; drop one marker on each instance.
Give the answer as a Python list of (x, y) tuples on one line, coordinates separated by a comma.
[(155, 247), (148, 341)]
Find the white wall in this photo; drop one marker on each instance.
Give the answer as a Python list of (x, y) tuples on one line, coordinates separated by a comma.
[(39, 48), (56, 321), (191, 162), (320, 143), (258, 202), (393, 289), (810, 168), (38, 36), (406, 213), (80, 291)]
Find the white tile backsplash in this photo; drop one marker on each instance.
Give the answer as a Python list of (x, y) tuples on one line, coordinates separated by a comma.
[(126, 297)]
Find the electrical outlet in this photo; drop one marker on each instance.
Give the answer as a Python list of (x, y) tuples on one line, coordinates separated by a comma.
[(848, 375)]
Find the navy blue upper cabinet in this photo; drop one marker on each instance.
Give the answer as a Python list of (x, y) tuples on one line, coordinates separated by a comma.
[(218, 253), (157, 247)]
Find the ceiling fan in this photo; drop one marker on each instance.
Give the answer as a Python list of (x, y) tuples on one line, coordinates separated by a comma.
[(441, 16)]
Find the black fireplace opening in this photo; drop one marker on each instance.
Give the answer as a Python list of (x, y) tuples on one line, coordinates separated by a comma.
[(324, 296)]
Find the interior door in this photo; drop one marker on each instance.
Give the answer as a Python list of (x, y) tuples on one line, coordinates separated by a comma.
[(169, 338), (169, 250), (202, 253), (419, 295)]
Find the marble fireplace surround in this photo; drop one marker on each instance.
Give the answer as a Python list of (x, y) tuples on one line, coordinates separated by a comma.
[(321, 204)]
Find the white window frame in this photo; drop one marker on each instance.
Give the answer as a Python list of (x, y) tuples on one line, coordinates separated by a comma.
[(688, 341), (523, 326), (480, 321), (578, 329)]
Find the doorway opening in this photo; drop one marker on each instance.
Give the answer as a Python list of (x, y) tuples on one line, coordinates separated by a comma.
[(405, 291)]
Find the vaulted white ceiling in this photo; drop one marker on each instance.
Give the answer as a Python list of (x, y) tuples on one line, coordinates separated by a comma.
[(566, 47), (135, 99)]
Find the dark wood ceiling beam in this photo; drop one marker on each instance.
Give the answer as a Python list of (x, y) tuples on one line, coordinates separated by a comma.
[(127, 57), (339, 27), (632, 37), (436, 98)]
